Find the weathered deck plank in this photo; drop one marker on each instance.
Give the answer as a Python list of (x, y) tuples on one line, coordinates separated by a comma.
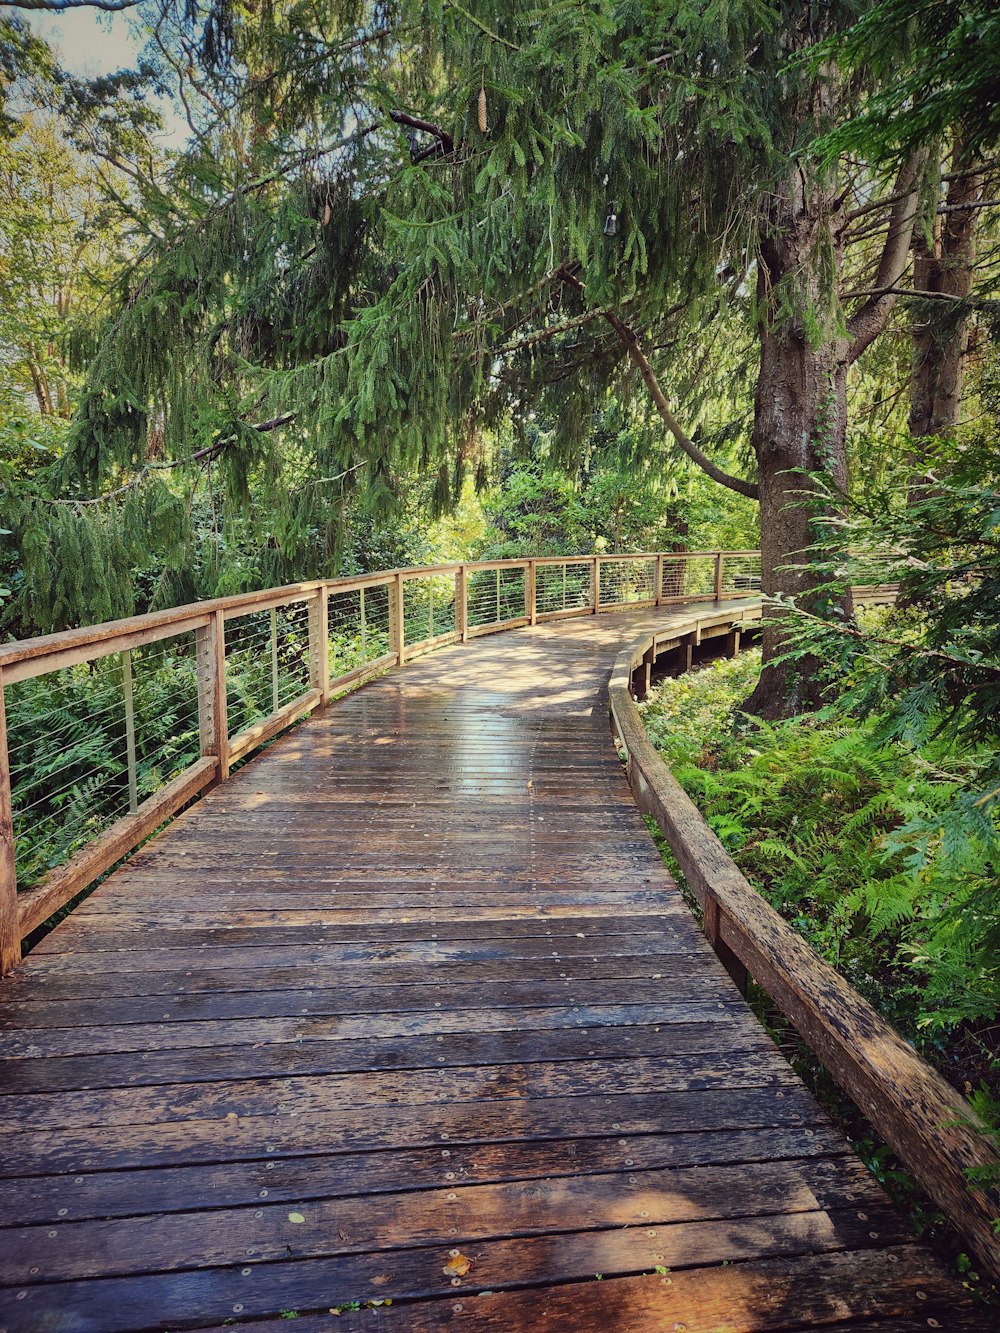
[(417, 977)]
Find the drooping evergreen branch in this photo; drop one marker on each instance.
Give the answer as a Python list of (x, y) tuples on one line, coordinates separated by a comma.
[(202, 456), (630, 341), (61, 6), (478, 23)]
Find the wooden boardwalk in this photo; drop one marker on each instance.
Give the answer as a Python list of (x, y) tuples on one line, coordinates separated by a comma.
[(409, 1011)]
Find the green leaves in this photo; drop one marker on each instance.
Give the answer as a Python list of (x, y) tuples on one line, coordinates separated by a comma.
[(883, 856)]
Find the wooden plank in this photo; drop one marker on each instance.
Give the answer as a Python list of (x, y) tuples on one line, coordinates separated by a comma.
[(427, 952), (246, 1291), (388, 1086), (209, 1020), (270, 925), (43, 1000), (362, 673), (75, 1149), (64, 883), (371, 1317), (470, 1214), (811, 1291), (478, 631), (25, 659), (51, 1199), (425, 646), (613, 1035)]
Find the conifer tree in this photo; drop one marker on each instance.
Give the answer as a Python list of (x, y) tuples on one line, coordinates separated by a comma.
[(399, 223)]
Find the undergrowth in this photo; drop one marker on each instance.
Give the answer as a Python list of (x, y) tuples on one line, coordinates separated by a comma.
[(835, 828)]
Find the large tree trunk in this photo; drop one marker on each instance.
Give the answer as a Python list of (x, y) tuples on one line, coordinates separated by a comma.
[(800, 410), (800, 420)]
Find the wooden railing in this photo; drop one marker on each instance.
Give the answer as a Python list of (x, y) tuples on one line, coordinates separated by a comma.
[(94, 756), (930, 1126), (244, 668)]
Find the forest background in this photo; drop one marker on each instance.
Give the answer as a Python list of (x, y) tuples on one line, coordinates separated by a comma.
[(318, 288)]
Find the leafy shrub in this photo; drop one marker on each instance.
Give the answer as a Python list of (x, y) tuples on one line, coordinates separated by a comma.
[(846, 834)]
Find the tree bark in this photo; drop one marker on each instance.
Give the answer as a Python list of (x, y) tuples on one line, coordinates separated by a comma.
[(943, 264), (800, 409), (800, 418)]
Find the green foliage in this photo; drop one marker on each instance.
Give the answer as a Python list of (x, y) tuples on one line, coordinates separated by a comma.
[(313, 260), (830, 820), (939, 61), (66, 734)]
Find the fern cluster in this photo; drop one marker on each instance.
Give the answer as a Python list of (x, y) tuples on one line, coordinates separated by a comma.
[(860, 842)]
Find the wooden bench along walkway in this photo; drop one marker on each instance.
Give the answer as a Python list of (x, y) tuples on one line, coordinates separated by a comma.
[(409, 1011)]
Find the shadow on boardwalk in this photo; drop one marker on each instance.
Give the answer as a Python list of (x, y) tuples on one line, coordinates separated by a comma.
[(409, 1011)]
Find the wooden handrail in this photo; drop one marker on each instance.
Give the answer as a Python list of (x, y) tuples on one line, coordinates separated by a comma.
[(931, 1127), (206, 622), (928, 1124)]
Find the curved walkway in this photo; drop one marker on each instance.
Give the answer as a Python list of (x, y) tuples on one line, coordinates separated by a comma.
[(409, 1016)]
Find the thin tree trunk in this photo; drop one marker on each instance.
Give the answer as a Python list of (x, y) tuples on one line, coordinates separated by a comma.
[(940, 341), (41, 388)]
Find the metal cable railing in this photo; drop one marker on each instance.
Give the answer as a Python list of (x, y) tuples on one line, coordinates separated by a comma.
[(107, 731)]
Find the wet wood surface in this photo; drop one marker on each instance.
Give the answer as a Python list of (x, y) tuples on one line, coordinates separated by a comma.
[(408, 1022)]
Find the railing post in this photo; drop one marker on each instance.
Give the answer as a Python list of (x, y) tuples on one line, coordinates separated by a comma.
[(130, 756), (530, 598), (275, 682), (10, 928), (643, 676), (597, 583), (659, 580), (685, 654), (319, 643), (396, 619), (712, 918), (213, 707), (462, 603), (718, 576)]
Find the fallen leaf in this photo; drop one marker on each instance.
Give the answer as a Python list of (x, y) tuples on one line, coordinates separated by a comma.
[(380, 1279), (296, 1217), (458, 1265)]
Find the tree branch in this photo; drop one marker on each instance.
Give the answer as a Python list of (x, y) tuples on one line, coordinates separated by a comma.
[(972, 302), (415, 123), (202, 456), (870, 319), (630, 341), (60, 6)]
